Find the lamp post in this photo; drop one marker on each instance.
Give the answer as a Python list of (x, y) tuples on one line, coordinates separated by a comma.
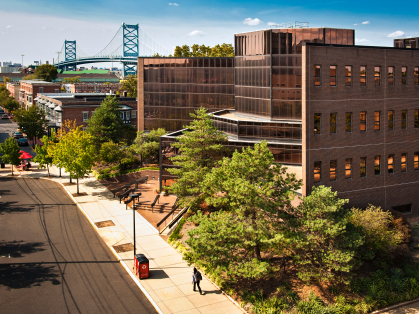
[(133, 197)]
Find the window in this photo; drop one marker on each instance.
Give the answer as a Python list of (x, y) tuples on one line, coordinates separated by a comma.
[(403, 162), (317, 75), (391, 119), (416, 161), (391, 76), (348, 122), (363, 166), (390, 164), (363, 74), (317, 123), (128, 115), (348, 168), (403, 208), (333, 119), (317, 171), (416, 119), (417, 76), (377, 115), (404, 76), (377, 76), (85, 116), (363, 121), (377, 167), (333, 75), (404, 119), (333, 167), (56, 91), (348, 75), (41, 90), (133, 114)]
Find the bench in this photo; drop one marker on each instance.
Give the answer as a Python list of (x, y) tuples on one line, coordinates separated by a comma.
[(118, 190), (125, 194)]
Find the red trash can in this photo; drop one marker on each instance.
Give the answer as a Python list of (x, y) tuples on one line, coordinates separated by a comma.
[(141, 266)]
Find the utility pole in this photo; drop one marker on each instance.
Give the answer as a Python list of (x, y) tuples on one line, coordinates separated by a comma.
[(22, 61)]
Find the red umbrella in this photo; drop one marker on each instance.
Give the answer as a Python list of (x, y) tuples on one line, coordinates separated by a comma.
[(24, 155)]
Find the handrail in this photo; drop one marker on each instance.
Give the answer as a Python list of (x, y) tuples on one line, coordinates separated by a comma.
[(154, 202), (174, 220), (165, 217)]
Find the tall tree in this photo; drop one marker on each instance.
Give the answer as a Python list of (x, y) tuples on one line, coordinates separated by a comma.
[(43, 157), (32, 121), (75, 152), (224, 50), (10, 151), (325, 242), (130, 85), (255, 188), (106, 124), (147, 145), (201, 146), (46, 72)]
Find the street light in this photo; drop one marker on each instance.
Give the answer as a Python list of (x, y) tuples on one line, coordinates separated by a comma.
[(133, 197)]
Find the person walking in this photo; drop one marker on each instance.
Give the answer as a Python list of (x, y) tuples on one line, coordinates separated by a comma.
[(196, 278)]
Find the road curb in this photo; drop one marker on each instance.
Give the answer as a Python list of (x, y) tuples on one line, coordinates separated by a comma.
[(136, 280), (396, 306)]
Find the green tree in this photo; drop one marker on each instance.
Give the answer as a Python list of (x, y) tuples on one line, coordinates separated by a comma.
[(106, 124), (75, 152), (224, 50), (325, 242), (6, 79), (46, 72), (147, 144), (201, 146), (72, 80), (111, 152), (381, 236), (43, 157), (255, 188), (6, 101), (129, 84), (10, 151), (29, 77), (32, 121)]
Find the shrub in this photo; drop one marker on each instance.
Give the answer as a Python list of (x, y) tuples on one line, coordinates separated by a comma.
[(110, 152), (120, 173), (381, 235)]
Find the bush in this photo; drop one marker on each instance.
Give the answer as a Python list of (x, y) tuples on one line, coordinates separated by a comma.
[(381, 235), (120, 173), (110, 152)]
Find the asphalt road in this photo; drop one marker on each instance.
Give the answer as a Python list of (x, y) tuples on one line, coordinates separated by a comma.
[(8, 127), (51, 258)]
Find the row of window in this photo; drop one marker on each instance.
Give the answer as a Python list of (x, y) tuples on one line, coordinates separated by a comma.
[(333, 120), (125, 115), (363, 75), (333, 167)]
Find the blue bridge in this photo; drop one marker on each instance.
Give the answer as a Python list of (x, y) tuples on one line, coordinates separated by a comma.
[(129, 43)]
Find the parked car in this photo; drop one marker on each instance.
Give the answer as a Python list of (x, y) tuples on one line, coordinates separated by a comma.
[(17, 135), (23, 142), (4, 116)]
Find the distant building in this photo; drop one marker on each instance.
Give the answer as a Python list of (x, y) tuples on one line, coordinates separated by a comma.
[(88, 78), (81, 106), (13, 88), (8, 69), (29, 90), (92, 87)]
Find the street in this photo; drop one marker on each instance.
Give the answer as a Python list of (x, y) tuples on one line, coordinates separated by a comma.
[(51, 258)]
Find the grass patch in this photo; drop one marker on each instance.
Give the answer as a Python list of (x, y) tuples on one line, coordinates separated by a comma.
[(176, 233)]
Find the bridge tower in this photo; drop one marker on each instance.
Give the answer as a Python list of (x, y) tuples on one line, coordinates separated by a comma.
[(130, 47), (70, 53)]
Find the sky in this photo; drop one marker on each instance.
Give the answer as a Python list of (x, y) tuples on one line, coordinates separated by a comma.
[(37, 28)]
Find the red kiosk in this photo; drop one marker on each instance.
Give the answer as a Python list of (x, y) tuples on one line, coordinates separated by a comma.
[(141, 266)]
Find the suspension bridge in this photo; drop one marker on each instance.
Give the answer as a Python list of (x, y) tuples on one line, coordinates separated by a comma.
[(129, 43)]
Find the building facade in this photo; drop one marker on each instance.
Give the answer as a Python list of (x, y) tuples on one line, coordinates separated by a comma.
[(170, 89), (106, 87), (29, 90)]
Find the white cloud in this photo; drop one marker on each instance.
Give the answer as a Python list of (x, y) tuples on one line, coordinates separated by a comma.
[(272, 23), (174, 4), (8, 26), (361, 40), (196, 33), (250, 21), (355, 24), (366, 22), (396, 34)]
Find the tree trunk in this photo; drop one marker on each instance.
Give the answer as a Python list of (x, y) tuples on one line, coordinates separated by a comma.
[(48, 170), (256, 248), (70, 179), (12, 170), (78, 185)]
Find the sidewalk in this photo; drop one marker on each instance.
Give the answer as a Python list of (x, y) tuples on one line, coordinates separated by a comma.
[(169, 285)]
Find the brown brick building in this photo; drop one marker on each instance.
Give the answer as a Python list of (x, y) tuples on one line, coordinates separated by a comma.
[(336, 114), (106, 87), (361, 124), (29, 91)]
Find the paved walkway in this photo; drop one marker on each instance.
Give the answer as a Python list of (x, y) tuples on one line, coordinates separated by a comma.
[(169, 285)]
